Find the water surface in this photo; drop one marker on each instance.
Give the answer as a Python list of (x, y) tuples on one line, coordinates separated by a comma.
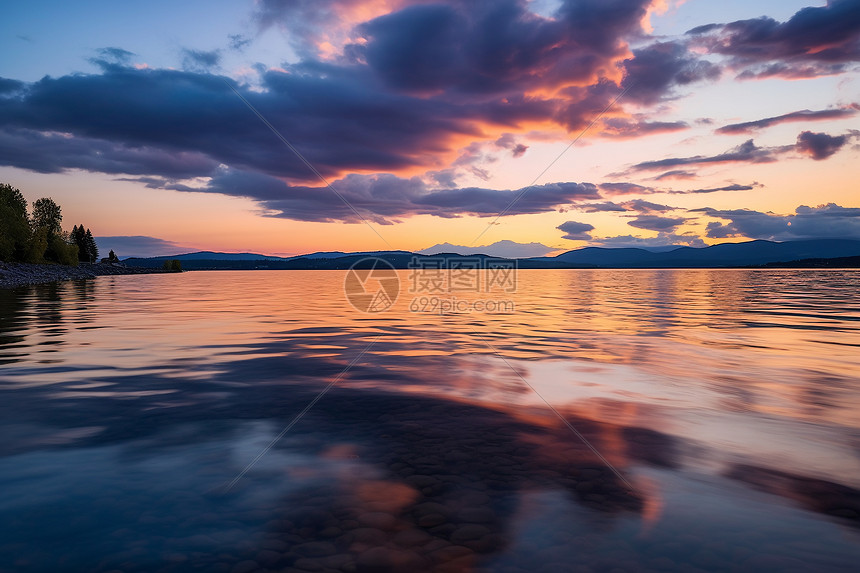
[(711, 422)]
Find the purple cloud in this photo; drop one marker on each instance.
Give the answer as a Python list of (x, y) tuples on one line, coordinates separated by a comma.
[(815, 41), (803, 115), (576, 231), (819, 146)]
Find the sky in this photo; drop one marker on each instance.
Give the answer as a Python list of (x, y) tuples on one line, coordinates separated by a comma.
[(526, 127)]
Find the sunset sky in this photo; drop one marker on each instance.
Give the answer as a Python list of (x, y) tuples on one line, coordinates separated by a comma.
[(581, 122)]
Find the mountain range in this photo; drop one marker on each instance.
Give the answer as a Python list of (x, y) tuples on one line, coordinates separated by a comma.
[(804, 253)]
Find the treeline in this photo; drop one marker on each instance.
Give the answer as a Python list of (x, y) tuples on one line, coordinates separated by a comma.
[(38, 237)]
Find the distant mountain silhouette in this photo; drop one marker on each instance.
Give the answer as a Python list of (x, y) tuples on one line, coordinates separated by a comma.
[(212, 256), (748, 253), (806, 253)]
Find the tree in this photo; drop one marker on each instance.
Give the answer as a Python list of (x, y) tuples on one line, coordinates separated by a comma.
[(173, 266), (14, 227), (112, 257), (61, 251), (78, 237), (47, 215), (92, 248), (37, 246)]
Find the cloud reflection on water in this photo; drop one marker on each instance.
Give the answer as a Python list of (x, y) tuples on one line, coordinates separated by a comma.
[(129, 403)]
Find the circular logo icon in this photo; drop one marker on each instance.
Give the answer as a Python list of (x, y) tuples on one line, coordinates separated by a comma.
[(371, 285)]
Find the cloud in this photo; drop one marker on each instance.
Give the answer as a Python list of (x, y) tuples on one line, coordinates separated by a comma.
[(507, 249), (114, 55), (52, 152), (411, 85), (508, 141), (746, 152), (576, 231), (624, 189), (338, 122), (634, 205), (239, 42), (824, 221), (625, 128), (200, 60), (815, 41), (602, 207), (819, 146), (9, 86), (643, 206), (396, 99), (137, 246), (732, 187), (802, 115), (496, 46), (384, 198), (676, 174), (310, 26), (657, 223), (654, 70)]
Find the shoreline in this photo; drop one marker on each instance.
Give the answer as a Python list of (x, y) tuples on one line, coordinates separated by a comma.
[(14, 275)]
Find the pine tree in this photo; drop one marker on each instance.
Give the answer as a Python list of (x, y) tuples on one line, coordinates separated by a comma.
[(92, 248), (79, 237)]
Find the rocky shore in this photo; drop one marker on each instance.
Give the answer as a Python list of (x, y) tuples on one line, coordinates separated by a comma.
[(21, 274)]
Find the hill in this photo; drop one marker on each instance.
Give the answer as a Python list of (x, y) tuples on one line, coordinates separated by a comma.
[(724, 255)]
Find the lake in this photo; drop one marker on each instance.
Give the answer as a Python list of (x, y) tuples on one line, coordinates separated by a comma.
[(663, 420)]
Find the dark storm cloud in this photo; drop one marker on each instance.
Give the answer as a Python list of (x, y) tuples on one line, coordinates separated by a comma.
[(803, 115), (496, 46), (819, 146), (815, 41), (489, 202), (49, 152), (654, 70), (9, 86), (385, 198), (337, 122), (657, 223), (303, 21), (824, 221), (576, 231), (475, 64), (477, 47)]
